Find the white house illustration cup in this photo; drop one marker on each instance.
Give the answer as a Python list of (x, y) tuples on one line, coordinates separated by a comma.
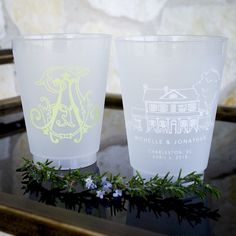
[(170, 87), (62, 82)]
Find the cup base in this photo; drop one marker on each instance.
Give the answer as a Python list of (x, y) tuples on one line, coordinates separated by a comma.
[(75, 163), (147, 176)]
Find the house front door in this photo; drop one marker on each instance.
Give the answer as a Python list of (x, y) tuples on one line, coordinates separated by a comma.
[(173, 126)]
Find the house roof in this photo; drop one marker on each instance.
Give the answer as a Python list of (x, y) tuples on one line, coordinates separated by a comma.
[(167, 94)]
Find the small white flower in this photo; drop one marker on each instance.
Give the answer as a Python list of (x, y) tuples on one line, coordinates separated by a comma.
[(100, 194), (104, 180), (89, 183), (106, 185), (117, 193)]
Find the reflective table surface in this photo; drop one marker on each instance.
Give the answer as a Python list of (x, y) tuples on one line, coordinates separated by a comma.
[(113, 157)]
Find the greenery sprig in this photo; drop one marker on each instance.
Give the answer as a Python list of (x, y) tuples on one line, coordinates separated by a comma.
[(108, 186), (88, 191)]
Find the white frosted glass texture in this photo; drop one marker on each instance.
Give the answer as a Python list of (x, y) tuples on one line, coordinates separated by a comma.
[(62, 85), (170, 87)]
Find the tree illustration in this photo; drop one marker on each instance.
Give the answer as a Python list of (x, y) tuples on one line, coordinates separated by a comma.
[(207, 89)]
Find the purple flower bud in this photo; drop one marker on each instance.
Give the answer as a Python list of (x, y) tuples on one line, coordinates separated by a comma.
[(106, 185), (117, 193), (89, 184), (100, 194)]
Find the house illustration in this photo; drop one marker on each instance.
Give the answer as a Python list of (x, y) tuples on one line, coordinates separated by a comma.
[(168, 111)]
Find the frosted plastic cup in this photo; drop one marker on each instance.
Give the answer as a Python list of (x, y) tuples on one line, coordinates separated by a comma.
[(170, 87), (62, 81)]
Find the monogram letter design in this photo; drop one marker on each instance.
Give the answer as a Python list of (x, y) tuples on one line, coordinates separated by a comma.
[(71, 114)]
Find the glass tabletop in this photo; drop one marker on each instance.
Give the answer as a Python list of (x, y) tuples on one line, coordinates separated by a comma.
[(113, 157)]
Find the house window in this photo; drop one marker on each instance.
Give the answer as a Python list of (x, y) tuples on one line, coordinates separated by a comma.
[(192, 107), (162, 123), (152, 107), (182, 107), (163, 107), (152, 123), (173, 108), (193, 122), (184, 126)]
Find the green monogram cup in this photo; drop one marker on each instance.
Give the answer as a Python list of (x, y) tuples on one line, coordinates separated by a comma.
[(62, 82)]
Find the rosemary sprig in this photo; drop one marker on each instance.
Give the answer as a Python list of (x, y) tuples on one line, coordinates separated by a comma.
[(108, 186)]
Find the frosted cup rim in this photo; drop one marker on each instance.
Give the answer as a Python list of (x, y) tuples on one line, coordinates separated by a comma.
[(60, 36), (172, 39)]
